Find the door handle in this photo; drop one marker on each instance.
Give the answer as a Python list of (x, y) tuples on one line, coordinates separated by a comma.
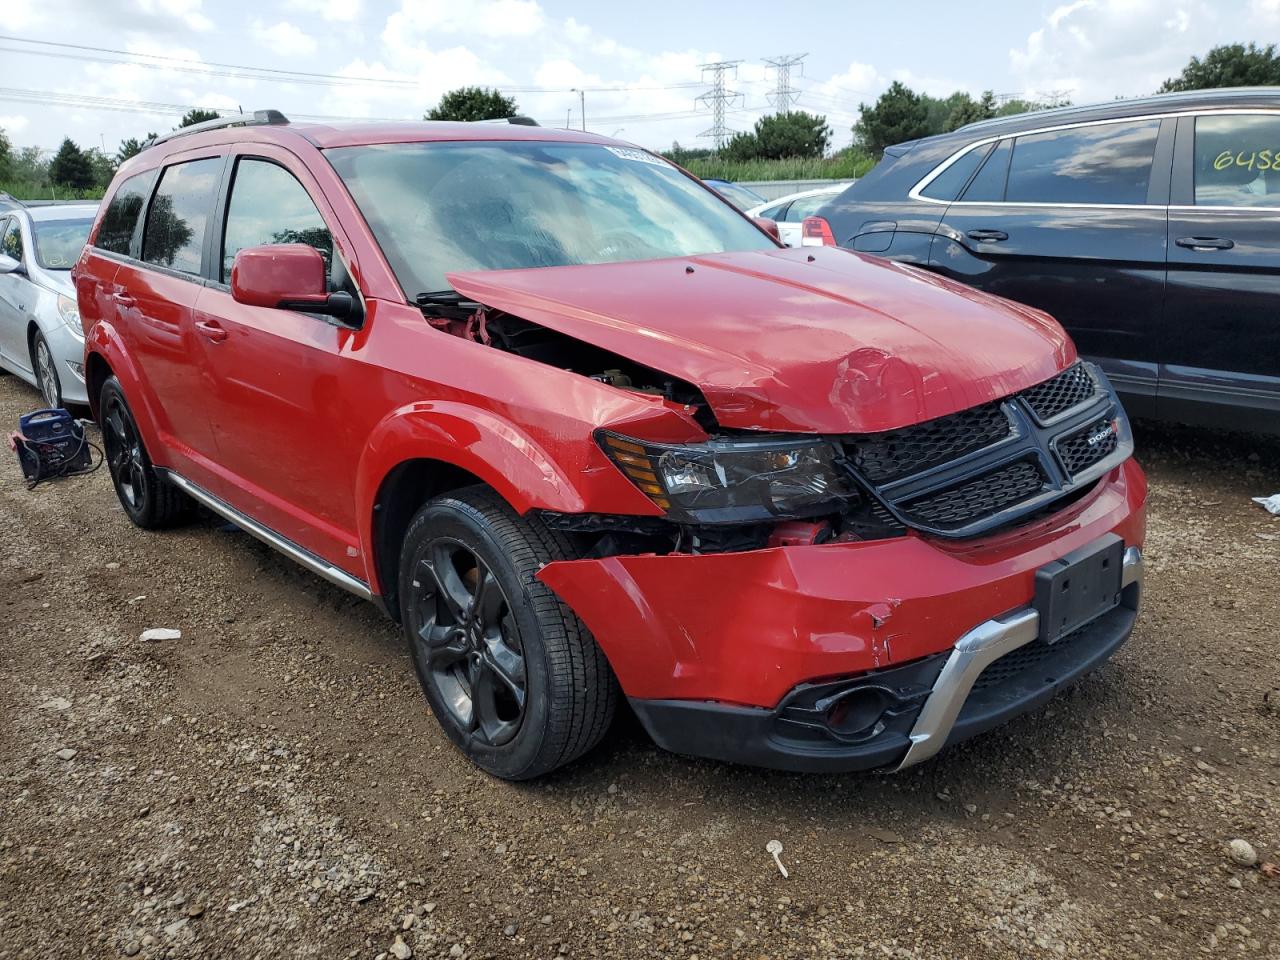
[(124, 299), (987, 236), (211, 330), (1205, 243)]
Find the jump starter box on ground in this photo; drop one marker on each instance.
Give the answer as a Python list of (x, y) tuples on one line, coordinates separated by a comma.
[(50, 443)]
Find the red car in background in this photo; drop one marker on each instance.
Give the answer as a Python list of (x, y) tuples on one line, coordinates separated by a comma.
[(585, 430)]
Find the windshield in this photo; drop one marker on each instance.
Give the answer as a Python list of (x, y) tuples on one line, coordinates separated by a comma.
[(59, 242), (439, 208)]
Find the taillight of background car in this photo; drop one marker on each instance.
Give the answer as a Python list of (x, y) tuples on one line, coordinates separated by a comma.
[(816, 232)]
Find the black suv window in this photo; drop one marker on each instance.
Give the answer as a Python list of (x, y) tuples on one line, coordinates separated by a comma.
[(948, 184), (1104, 163), (121, 218), (179, 214), (1237, 161), (268, 205), (988, 185)]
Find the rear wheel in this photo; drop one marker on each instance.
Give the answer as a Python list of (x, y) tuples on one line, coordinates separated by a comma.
[(46, 371), (149, 499), (512, 675)]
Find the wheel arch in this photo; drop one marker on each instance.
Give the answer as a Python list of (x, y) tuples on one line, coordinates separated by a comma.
[(97, 370)]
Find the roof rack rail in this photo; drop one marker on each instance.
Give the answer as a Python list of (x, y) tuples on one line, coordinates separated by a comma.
[(256, 119), (523, 121)]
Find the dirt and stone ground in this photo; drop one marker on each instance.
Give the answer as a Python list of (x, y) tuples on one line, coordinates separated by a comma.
[(270, 785)]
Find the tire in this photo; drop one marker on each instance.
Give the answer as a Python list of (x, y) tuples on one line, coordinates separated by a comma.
[(471, 667), (45, 369), (150, 500)]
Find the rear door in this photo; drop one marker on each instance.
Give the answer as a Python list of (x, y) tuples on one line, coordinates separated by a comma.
[(1221, 350), (1073, 220), (154, 302), (280, 379)]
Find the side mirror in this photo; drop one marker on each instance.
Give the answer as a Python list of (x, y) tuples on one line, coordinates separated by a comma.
[(768, 226), (287, 276), (10, 265)]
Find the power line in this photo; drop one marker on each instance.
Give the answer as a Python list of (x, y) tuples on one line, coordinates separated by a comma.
[(719, 99), (54, 98), (782, 98)]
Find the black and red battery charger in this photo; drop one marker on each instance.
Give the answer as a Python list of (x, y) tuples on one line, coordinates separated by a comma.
[(50, 444)]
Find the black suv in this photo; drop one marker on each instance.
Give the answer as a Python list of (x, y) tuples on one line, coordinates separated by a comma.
[(1150, 228)]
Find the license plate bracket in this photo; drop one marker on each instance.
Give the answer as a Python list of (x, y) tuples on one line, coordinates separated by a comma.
[(1080, 587)]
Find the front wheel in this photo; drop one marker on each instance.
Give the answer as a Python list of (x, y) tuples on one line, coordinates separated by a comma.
[(515, 679), (149, 499), (46, 371)]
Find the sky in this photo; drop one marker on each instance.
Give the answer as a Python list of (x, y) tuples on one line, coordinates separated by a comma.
[(639, 64)]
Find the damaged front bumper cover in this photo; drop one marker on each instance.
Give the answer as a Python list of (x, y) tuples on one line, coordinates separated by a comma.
[(994, 672)]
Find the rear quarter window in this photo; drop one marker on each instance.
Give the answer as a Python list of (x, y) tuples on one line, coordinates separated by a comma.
[(1104, 163), (120, 221)]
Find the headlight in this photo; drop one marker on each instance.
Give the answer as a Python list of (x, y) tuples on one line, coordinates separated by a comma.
[(732, 481), (69, 311)]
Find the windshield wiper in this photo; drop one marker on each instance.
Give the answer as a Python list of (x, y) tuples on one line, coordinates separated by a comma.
[(447, 303)]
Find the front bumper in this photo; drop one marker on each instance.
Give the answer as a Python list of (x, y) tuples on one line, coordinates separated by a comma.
[(68, 356), (738, 638), (995, 671)]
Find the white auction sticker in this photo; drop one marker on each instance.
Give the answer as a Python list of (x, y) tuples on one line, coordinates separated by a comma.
[(630, 153)]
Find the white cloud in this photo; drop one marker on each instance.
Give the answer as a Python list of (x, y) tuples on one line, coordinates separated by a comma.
[(1267, 11), (14, 123), (1092, 50), (284, 38), (417, 21), (187, 12), (342, 11)]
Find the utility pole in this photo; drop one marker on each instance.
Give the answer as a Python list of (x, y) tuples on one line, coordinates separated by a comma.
[(582, 100), (718, 98), (783, 97)]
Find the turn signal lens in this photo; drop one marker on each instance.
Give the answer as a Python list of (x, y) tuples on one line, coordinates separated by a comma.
[(816, 232)]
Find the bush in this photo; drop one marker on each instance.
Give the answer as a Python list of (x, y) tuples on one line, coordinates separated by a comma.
[(843, 166)]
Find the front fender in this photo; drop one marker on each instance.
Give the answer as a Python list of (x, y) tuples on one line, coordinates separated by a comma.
[(502, 455)]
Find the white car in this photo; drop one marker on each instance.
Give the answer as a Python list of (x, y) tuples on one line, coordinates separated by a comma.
[(40, 335), (789, 212)]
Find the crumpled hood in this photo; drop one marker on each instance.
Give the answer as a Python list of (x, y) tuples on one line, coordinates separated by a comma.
[(813, 340)]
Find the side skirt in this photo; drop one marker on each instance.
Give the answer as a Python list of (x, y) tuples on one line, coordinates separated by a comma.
[(306, 558)]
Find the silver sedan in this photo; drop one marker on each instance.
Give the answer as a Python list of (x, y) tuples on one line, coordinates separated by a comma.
[(41, 339)]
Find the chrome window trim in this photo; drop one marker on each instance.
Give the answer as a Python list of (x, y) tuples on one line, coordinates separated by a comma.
[(914, 192)]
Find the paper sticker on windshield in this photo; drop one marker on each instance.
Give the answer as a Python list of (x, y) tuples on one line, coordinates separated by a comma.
[(630, 153)]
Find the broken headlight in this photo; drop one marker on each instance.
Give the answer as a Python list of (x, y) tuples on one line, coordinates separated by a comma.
[(734, 481)]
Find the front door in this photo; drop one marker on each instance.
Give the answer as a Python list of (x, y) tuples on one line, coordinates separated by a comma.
[(1073, 221), (282, 378), (1221, 349), (15, 297)]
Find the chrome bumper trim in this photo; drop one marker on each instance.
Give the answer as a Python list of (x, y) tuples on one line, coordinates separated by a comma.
[(298, 554), (973, 653)]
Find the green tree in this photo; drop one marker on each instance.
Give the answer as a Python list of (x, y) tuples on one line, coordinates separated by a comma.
[(132, 147), (103, 166), (196, 115), (792, 134), (899, 114), (30, 166), (1231, 65), (71, 167), (684, 155), (968, 110), (473, 103), (6, 156)]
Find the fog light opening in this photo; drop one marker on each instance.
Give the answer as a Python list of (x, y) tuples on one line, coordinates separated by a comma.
[(859, 714)]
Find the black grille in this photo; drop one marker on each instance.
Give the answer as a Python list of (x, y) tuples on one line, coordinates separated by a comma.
[(1086, 447), (977, 498), (888, 456), (1068, 389)]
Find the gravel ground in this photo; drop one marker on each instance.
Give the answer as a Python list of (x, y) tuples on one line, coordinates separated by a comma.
[(271, 785)]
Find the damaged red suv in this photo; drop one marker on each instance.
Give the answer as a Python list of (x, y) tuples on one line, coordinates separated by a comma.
[(587, 432)]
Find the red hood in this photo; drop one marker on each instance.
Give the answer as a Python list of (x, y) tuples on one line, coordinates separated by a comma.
[(842, 343)]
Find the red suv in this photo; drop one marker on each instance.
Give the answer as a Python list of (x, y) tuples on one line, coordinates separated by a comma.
[(585, 430)]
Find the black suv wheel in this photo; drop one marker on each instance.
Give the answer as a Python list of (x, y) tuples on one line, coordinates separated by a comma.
[(510, 672), (150, 500)]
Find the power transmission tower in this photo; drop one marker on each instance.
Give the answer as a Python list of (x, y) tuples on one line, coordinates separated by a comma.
[(783, 96), (718, 98)]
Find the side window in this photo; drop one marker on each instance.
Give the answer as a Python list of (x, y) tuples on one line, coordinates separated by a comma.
[(121, 219), (11, 242), (1237, 161), (776, 212), (988, 185), (948, 184), (806, 207), (268, 205), (1104, 163), (179, 214)]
